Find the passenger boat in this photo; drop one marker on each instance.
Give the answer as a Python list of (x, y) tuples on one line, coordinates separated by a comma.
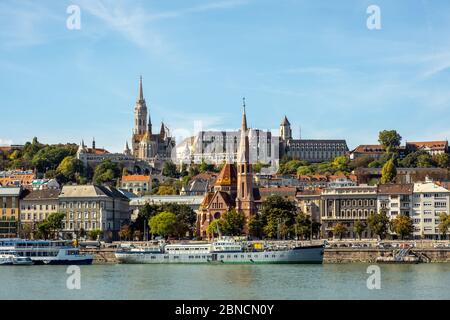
[(223, 251), (11, 258), (60, 252)]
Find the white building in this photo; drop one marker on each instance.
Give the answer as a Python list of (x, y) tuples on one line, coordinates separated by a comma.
[(428, 202)]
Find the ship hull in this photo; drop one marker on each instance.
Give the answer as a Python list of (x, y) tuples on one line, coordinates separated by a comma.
[(301, 255)]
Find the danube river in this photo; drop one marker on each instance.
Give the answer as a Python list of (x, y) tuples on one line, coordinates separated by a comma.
[(329, 281)]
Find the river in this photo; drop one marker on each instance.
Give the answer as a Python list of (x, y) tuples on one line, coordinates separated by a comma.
[(329, 281)]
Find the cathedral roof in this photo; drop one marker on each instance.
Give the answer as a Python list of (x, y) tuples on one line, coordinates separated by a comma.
[(285, 122), (228, 176)]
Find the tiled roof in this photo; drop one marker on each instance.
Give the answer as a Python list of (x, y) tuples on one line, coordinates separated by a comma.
[(136, 177), (41, 194), (369, 148), (228, 176), (396, 188), (428, 144)]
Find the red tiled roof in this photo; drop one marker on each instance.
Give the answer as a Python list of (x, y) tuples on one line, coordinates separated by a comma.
[(136, 178)]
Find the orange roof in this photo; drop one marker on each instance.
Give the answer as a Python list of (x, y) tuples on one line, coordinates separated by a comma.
[(228, 176), (429, 144), (136, 177), (369, 148)]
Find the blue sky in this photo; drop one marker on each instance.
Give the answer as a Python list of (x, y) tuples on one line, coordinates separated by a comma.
[(314, 61)]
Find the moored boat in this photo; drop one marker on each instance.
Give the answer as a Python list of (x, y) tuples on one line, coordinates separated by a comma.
[(223, 251), (60, 252)]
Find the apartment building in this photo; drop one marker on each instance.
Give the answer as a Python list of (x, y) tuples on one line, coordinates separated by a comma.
[(91, 207), (37, 205), (9, 204)]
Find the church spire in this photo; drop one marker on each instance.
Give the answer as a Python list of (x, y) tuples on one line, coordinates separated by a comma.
[(244, 117), (141, 91)]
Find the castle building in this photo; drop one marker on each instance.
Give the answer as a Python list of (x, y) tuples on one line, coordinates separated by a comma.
[(145, 144), (311, 150), (233, 188)]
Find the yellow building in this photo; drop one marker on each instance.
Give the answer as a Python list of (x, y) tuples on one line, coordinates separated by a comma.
[(10, 210)]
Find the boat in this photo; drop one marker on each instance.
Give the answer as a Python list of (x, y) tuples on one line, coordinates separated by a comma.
[(5, 259), (49, 252), (222, 251)]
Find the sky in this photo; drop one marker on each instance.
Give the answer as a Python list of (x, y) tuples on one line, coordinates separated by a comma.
[(312, 60)]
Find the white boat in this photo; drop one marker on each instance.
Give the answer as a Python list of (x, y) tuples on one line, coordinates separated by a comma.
[(6, 259), (44, 252), (223, 251)]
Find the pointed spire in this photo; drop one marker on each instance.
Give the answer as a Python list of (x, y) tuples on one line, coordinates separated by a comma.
[(244, 117), (162, 132), (141, 91)]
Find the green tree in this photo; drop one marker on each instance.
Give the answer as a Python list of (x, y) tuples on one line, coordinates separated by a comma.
[(378, 223), (303, 225), (442, 160), (170, 169), (51, 225), (69, 169), (163, 224), (255, 226), (390, 140), (233, 223), (361, 162), (424, 161), (277, 214), (106, 172), (403, 226), (444, 223), (389, 172), (215, 227), (341, 163), (258, 166), (166, 190), (94, 234), (339, 230), (359, 227)]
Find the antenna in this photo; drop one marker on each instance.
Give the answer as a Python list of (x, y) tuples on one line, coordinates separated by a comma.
[(300, 132)]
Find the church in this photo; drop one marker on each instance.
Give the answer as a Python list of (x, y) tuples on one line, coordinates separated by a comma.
[(144, 144), (233, 188)]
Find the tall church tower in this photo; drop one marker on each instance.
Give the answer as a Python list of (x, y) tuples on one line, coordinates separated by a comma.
[(140, 113), (244, 199)]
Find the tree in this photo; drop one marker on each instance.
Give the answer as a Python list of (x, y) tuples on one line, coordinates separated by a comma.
[(424, 161), (277, 215), (361, 162), (233, 223), (186, 218), (403, 226), (51, 225), (166, 190), (125, 232), (378, 223), (390, 140), (444, 223), (442, 160), (359, 227), (303, 225), (339, 230), (26, 231), (94, 234), (255, 226), (215, 227), (163, 224), (69, 169), (257, 167), (170, 169), (106, 172), (389, 172), (341, 163), (291, 166)]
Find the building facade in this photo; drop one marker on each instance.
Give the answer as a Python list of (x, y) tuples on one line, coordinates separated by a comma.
[(37, 205), (137, 184), (346, 206), (313, 151), (91, 207), (10, 211)]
